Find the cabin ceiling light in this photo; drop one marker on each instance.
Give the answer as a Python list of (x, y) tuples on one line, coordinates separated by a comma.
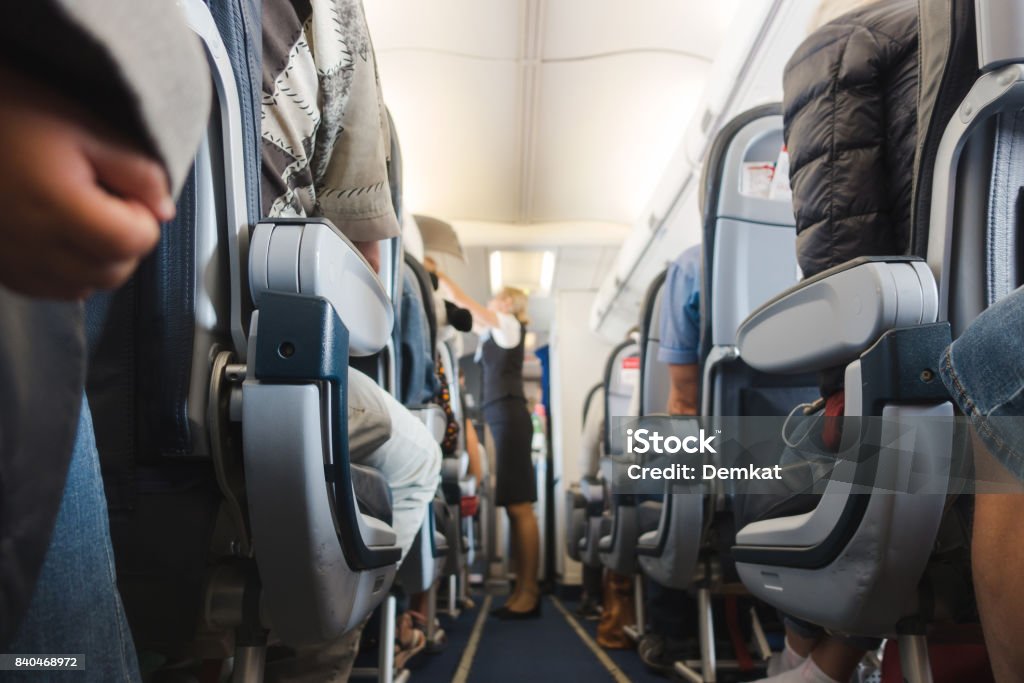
[(496, 272), (531, 271)]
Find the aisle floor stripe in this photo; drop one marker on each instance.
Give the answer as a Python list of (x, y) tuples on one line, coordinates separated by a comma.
[(601, 655), (466, 663)]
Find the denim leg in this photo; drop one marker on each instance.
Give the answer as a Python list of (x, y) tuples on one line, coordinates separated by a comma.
[(76, 608), (984, 372)]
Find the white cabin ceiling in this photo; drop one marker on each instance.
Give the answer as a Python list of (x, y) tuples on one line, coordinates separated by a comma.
[(530, 111)]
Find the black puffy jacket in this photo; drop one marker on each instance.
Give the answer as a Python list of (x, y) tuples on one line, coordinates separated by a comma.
[(850, 111)]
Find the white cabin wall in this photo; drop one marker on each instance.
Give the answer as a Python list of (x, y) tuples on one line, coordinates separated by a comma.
[(578, 357)]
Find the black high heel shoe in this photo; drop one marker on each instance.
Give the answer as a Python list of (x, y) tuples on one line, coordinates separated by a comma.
[(506, 614)]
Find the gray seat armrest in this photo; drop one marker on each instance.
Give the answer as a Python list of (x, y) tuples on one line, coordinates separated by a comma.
[(451, 470), (830, 319), (592, 490), (310, 256), (648, 540)]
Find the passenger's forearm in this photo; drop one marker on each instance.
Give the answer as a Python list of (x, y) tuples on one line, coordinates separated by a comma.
[(681, 406), (481, 314), (682, 395), (476, 466)]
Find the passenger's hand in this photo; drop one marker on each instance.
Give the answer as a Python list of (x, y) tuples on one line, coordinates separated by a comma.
[(430, 265), (80, 208)]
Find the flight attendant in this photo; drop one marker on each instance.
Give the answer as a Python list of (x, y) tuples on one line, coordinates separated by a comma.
[(502, 326)]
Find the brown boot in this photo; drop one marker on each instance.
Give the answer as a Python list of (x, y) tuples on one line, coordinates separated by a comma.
[(619, 612)]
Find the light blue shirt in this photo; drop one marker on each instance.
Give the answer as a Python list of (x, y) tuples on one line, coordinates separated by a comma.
[(680, 311)]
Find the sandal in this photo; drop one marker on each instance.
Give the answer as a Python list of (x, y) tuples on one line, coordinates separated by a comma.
[(409, 640), (440, 638)]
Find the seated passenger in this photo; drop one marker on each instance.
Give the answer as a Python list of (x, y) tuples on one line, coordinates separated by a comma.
[(325, 142), (871, 102), (858, 73), (420, 384), (93, 153), (673, 612), (984, 373)]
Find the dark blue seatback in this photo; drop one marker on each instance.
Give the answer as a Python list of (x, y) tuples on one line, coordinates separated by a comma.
[(161, 488), (143, 351)]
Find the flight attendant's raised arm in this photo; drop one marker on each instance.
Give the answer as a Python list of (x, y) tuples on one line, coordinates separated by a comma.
[(482, 315)]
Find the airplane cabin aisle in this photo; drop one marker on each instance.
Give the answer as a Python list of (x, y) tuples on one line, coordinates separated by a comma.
[(555, 647), (558, 646)]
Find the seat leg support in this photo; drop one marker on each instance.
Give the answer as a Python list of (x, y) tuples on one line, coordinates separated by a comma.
[(914, 659), (250, 635), (706, 630), (386, 647), (641, 606), (453, 595), (432, 614), (760, 639), (249, 664), (688, 673)]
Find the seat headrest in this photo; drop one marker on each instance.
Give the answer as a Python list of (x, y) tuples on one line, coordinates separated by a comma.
[(742, 232), (621, 375), (653, 381)]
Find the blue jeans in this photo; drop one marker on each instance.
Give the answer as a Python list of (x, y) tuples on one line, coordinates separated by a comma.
[(76, 608), (984, 372)]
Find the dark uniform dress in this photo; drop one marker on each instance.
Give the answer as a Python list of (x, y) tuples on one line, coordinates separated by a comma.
[(504, 408)]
